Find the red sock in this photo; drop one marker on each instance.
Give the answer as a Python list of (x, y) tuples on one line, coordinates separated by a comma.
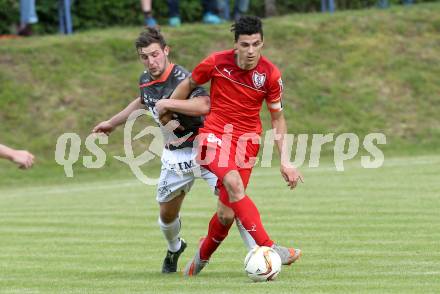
[(217, 232), (248, 214)]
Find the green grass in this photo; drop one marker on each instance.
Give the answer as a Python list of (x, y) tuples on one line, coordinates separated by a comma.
[(362, 231)]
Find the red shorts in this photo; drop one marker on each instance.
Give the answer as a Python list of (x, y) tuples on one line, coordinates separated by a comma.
[(221, 156)]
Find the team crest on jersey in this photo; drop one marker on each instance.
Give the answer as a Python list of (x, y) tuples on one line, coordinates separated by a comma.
[(258, 79)]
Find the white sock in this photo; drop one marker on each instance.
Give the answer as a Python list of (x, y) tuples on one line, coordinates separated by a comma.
[(171, 232), (248, 241)]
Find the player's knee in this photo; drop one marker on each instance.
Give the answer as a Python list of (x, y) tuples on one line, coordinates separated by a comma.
[(234, 186)]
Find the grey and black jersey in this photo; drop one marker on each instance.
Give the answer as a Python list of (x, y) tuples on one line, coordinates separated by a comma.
[(152, 91)]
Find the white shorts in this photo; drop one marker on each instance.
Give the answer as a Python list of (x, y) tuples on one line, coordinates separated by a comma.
[(179, 170)]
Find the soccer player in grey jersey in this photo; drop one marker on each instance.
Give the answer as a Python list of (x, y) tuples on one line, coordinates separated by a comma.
[(178, 159)]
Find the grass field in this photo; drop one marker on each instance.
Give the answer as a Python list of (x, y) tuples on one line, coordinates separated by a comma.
[(361, 231)]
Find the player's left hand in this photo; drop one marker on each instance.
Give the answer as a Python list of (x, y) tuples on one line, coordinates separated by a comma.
[(165, 117), (167, 120), (291, 175)]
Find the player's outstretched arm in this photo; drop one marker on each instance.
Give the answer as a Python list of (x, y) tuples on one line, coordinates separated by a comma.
[(24, 159), (108, 126), (290, 174)]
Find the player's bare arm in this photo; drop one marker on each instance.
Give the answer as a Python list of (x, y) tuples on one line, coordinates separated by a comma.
[(108, 126), (24, 159), (182, 91), (290, 174), (196, 106)]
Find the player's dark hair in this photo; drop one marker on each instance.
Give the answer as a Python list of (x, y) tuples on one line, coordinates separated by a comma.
[(148, 37), (247, 25)]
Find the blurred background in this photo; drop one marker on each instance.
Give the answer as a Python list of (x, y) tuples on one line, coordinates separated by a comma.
[(90, 14)]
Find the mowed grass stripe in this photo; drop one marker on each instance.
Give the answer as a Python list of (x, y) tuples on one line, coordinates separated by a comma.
[(98, 219), (129, 186), (361, 231)]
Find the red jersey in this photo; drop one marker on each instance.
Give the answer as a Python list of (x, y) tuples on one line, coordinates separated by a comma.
[(236, 94)]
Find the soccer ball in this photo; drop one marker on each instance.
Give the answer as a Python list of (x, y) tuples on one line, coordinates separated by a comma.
[(262, 264)]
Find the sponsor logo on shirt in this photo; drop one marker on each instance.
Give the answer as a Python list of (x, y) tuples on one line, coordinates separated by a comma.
[(227, 71)]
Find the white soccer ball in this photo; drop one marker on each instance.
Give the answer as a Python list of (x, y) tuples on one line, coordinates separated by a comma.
[(262, 264)]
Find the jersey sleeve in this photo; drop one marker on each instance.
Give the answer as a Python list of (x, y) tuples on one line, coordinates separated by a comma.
[(275, 92), (197, 92), (142, 80), (202, 73), (179, 74)]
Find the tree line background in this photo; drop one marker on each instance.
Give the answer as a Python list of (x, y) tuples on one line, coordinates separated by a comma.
[(89, 14)]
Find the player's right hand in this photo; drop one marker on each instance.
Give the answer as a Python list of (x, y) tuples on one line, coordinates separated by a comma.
[(23, 158), (291, 175), (104, 127)]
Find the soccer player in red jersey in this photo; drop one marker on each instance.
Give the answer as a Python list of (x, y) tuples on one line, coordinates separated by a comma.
[(241, 80), (177, 175)]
